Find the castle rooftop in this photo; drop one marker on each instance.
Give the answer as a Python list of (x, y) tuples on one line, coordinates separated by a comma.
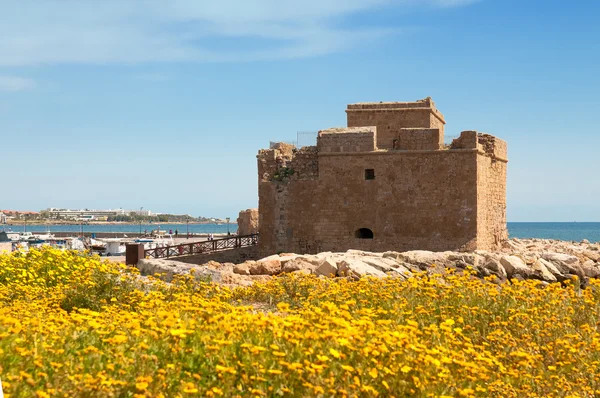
[(419, 105)]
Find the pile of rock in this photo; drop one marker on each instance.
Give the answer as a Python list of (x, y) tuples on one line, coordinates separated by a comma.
[(545, 260)]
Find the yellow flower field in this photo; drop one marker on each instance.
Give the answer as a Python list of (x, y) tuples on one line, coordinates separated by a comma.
[(72, 325)]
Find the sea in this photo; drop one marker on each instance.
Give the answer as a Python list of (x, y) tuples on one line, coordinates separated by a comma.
[(569, 231), (131, 228)]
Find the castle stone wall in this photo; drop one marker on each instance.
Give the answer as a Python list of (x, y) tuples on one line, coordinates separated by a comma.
[(417, 194), (422, 201)]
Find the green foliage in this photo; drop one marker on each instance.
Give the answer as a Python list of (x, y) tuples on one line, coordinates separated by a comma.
[(283, 173)]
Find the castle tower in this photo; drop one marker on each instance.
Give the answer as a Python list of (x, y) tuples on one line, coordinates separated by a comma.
[(386, 182)]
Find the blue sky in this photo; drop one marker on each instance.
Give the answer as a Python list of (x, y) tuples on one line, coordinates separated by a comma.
[(165, 104)]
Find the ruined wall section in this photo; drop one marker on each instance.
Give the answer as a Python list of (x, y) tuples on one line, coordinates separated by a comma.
[(305, 164), (247, 222), (466, 140), (492, 146)]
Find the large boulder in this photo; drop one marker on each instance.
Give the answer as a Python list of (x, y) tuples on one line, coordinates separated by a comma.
[(267, 266), (514, 245), (592, 255), (243, 268), (271, 257), (493, 265), (391, 254), (567, 264), (389, 266), (590, 269), (463, 258), (298, 264), (327, 267), (542, 272), (422, 258), (560, 258), (356, 268), (316, 259), (382, 264), (553, 269), (528, 258), (515, 266), (353, 252), (284, 258)]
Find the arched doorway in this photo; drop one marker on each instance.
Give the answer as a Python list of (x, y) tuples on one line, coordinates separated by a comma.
[(363, 233)]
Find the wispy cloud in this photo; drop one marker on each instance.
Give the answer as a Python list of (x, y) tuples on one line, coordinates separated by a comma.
[(14, 83), (139, 31)]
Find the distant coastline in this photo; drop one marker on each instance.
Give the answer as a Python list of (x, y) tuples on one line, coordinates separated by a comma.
[(125, 228), (56, 222)]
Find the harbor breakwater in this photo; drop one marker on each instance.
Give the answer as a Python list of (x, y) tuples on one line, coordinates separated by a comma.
[(129, 228), (124, 235)]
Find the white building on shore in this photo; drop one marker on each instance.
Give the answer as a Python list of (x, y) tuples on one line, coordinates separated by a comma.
[(84, 214)]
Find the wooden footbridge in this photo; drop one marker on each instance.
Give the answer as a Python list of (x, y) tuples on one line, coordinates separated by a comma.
[(203, 247)]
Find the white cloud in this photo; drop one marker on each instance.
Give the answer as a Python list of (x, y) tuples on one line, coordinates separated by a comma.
[(138, 31), (13, 83)]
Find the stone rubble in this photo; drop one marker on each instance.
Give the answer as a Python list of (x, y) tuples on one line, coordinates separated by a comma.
[(542, 259)]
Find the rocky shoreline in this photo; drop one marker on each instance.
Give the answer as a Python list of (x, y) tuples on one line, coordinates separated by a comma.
[(546, 260)]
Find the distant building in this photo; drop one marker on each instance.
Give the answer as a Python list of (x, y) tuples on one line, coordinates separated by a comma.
[(386, 182), (141, 212), (84, 214), (18, 215)]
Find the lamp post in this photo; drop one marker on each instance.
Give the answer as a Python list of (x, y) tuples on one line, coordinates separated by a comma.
[(141, 208), (187, 227), (228, 226)]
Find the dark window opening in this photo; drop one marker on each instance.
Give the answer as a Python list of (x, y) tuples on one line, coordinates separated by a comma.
[(363, 233), (369, 174)]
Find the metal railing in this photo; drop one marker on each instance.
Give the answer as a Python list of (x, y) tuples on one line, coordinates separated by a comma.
[(207, 246)]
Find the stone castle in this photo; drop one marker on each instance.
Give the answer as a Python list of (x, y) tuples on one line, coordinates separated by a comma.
[(386, 182)]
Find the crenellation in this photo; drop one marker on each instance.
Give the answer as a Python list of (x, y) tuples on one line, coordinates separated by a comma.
[(418, 139), (492, 146), (351, 139), (466, 140)]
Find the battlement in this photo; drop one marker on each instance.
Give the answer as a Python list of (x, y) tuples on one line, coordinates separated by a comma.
[(487, 144), (390, 117), (418, 139), (347, 139), (426, 103)]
